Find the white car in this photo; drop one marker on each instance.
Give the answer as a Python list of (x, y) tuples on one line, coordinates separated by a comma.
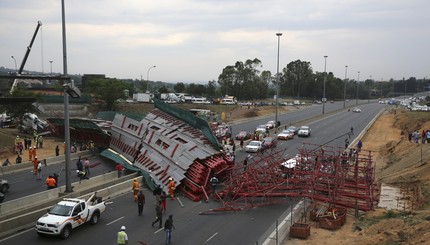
[(304, 131), (261, 128), (270, 124), (286, 134), (356, 109), (254, 146)]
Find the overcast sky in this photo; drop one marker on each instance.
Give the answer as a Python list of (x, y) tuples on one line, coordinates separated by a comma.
[(193, 40)]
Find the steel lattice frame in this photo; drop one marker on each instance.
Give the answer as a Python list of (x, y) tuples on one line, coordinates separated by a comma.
[(325, 174)]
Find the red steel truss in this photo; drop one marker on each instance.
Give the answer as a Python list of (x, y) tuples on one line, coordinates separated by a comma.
[(324, 174)]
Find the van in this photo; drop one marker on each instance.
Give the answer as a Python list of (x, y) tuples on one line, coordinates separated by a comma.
[(228, 102)]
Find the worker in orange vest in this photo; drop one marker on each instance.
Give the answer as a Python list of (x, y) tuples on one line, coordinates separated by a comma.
[(30, 154), (33, 152), (171, 188), (35, 164), (135, 189), (50, 182)]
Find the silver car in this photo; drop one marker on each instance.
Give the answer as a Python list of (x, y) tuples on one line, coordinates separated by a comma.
[(254, 146), (304, 131)]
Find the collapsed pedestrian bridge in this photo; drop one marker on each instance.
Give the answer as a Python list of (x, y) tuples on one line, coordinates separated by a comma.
[(169, 143)]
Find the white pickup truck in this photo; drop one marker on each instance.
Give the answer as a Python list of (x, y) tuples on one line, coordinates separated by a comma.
[(69, 214)]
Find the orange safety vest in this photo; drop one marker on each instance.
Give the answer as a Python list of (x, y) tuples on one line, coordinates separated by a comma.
[(50, 182), (135, 185)]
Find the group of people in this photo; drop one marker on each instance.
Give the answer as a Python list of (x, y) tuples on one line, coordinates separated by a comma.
[(83, 168), (415, 136), (160, 208)]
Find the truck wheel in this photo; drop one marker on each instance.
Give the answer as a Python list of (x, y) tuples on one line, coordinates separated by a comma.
[(95, 218), (65, 233)]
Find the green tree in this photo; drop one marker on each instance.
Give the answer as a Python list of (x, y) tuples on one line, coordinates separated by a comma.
[(163, 90), (109, 90), (211, 89), (297, 79), (179, 87), (17, 110)]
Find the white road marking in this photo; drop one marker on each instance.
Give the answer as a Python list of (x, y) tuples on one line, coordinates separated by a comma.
[(115, 220), (19, 233), (211, 237), (158, 230)]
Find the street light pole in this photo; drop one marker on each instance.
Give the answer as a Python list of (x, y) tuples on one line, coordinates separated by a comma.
[(358, 80), (147, 76), (51, 64), (66, 105), (277, 82), (16, 69), (344, 88), (325, 78)]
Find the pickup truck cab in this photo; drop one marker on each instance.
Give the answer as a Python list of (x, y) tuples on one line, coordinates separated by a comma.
[(69, 214)]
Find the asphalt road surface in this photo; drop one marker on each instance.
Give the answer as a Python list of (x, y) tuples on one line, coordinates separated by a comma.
[(244, 227)]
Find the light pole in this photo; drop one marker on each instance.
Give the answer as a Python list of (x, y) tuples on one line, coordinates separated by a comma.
[(277, 82), (325, 78), (358, 80), (147, 76), (51, 64), (16, 69), (344, 88)]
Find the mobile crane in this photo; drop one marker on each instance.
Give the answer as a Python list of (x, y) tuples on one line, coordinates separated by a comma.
[(21, 68)]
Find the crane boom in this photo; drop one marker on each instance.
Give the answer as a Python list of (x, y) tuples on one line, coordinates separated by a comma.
[(21, 68)]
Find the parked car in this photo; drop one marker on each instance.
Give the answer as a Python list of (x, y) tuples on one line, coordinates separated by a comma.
[(69, 214), (286, 134), (304, 131), (254, 146), (243, 135), (269, 142), (270, 124), (294, 129), (356, 110)]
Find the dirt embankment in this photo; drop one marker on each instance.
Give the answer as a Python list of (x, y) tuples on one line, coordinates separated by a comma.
[(397, 162)]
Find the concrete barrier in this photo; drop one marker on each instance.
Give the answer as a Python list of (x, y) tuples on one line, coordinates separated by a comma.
[(106, 186), (284, 226)]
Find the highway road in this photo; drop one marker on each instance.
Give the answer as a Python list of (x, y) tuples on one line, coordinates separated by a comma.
[(246, 227), (24, 183)]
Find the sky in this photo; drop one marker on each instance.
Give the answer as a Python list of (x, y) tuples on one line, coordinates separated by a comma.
[(191, 41)]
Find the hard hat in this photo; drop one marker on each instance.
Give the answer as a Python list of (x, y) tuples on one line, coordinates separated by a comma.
[(17, 136), (35, 157), (135, 178), (30, 147), (170, 179), (123, 228), (77, 171)]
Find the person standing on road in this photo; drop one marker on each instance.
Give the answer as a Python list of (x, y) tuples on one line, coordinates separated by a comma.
[(241, 144), (163, 198), (171, 188), (39, 170), (118, 168), (87, 166), (35, 165), (352, 130), (140, 202), (122, 238), (135, 189), (159, 213), (346, 143), (168, 226), (79, 164)]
